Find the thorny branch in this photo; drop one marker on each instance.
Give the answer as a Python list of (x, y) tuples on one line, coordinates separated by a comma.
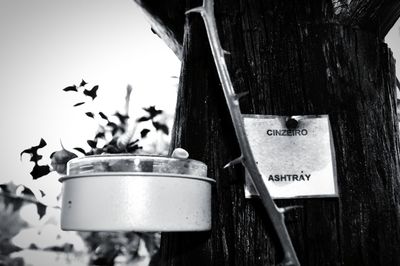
[(246, 159)]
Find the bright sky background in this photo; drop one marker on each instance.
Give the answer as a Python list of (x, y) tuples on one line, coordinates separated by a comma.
[(393, 40), (47, 45)]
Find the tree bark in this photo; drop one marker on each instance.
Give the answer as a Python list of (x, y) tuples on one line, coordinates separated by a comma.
[(294, 58)]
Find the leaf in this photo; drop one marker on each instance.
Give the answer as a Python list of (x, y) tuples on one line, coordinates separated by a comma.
[(89, 114), (78, 104), (70, 88), (144, 132), (143, 119), (162, 127), (102, 115), (92, 143), (114, 127), (153, 112), (32, 151), (111, 149), (39, 171), (42, 143), (132, 147), (4, 188), (28, 192), (122, 118), (80, 150), (83, 83), (91, 93), (6, 248), (100, 135), (41, 209), (59, 160), (17, 204)]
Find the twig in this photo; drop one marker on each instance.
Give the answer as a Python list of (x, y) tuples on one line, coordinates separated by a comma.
[(128, 98), (125, 138), (275, 214), (25, 198)]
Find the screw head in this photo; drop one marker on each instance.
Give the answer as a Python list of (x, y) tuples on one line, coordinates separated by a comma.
[(292, 123)]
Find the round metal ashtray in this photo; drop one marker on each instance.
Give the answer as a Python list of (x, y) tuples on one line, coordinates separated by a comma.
[(136, 193)]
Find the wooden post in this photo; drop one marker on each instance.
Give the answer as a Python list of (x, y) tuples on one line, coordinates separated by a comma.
[(295, 58)]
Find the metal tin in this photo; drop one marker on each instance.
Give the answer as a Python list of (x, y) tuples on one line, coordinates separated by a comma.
[(136, 193)]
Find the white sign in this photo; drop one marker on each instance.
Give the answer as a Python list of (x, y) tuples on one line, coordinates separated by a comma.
[(297, 162)]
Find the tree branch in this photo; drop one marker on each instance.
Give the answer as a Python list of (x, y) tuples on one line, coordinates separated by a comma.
[(376, 15), (167, 19)]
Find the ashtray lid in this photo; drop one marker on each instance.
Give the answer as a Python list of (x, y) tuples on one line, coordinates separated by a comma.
[(128, 163)]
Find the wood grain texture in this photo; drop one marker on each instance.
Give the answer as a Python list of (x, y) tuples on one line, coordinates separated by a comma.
[(374, 15), (293, 60), (377, 16)]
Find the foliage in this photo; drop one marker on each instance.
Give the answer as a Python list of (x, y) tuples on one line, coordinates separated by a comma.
[(114, 131)]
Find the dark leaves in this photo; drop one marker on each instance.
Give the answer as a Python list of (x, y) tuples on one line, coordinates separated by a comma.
[(89, 114), (35, 157), (162, 127), (100, 135), (41, 209), (143, 119), (122, 118), (114, 127), (71, 88), (6, 191), (80, 150), (133, 146), (28, 192), (59, 160), (102, 115), (6, 248), (39, 171), (91, 93), (144, 133), (5, 188), (92, 143), (109, 148), (83, 83), (17, 204), (153, 112), (10, 197), (78, 104)]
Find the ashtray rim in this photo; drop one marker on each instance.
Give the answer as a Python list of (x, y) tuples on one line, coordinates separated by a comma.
[(168, 175)]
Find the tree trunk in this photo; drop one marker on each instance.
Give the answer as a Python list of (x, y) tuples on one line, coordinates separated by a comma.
[(295, 59)]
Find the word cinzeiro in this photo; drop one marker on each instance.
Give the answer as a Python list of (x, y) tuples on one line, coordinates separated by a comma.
[(287, 132)]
